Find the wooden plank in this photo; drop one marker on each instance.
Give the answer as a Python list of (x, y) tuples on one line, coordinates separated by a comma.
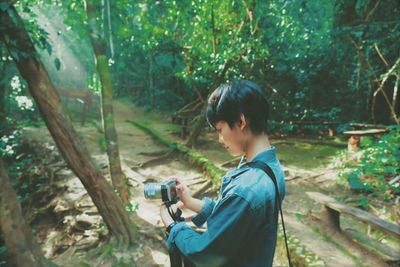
[(314, 122), (366, 132), (356, 213), (364, 125)]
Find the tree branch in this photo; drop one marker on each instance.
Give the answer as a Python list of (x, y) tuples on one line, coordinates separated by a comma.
[(380, 89), (189, 74), (372, 12), (384, 60)]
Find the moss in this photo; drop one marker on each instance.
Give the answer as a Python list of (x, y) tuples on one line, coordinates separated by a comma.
[(195, 158), (300, 255), (306, 154), (102, 144), (337, 245)]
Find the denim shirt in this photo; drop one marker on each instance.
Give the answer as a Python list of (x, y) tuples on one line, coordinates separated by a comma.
[(241, 224)]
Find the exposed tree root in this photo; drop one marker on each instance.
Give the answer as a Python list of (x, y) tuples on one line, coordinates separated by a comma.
[(154, 154), (202, 189), (157, 159), (197, 180), (230, 162)]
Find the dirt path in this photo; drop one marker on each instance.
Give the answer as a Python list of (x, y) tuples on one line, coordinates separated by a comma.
[(76, 228)]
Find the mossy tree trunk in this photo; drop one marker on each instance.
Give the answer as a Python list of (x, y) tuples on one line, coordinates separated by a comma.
[(58, 121), (3, 88), (100, 48), (20, 242)]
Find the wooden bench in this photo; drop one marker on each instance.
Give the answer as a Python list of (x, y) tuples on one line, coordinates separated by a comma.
[(331, 210), (355, 136)]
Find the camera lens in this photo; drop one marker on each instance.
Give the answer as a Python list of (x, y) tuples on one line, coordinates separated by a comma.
[(152, 190)]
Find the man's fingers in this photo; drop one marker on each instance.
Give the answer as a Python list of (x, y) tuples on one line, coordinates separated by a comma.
[(179, 187), (179, 204), (179, 180)]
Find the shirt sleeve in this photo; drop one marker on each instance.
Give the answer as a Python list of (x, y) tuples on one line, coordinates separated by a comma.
[(228, 226), (202, 216)]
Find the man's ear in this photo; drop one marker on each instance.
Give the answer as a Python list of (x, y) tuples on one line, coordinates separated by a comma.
[(242, 122)]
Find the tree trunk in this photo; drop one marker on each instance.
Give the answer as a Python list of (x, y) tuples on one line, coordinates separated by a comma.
[(197, 127), (110, 39), (100, 47), (3, 87), (21, 244), (201, 119), (69, 143)]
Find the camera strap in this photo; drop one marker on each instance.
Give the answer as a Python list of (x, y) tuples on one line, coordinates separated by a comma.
[(263, 166), (176, 216)]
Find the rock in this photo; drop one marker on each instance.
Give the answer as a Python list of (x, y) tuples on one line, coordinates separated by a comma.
[(147, 251), (61, 206), (85, 222), (88, 240)]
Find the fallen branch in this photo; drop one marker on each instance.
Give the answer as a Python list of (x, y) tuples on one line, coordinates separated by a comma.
[(394, 180), (197, 180), (195, 158), (293, 178), (144, 164), (380, 89), (202, 189), (228, 162), (154, 154)]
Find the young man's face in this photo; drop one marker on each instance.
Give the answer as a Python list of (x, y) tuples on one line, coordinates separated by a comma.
[(232, 139)]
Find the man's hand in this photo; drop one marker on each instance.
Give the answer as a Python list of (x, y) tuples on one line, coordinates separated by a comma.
[(185, 198)]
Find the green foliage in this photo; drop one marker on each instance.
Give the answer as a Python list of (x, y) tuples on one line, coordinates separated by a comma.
[(131, 207), (24, 171), (363, 202), (102, 144), (3, 252), (20, 108), (27, 168), (109, 254), (378, 164), (316, 60)]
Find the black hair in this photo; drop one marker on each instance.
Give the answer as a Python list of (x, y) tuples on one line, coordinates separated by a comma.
[(230, 100)]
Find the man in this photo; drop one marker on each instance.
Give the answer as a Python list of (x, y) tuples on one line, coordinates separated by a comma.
[(242, 223)]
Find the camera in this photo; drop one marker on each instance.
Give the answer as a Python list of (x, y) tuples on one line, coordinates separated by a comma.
[(166, 191)]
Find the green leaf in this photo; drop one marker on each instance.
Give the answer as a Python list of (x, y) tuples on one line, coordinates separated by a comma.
[(354, 182), (14, 54), (12, 15), (49, 48), (57, 63), (4, 6)]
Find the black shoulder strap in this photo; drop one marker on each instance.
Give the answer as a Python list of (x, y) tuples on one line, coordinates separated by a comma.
[(264, 166)]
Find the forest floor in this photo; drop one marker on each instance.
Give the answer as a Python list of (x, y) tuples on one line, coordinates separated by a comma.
[(71, 231)]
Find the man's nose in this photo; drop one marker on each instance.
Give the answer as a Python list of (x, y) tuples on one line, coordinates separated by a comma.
[(220, 139)]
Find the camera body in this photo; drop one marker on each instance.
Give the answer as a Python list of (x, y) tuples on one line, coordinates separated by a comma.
[(166, 191)]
